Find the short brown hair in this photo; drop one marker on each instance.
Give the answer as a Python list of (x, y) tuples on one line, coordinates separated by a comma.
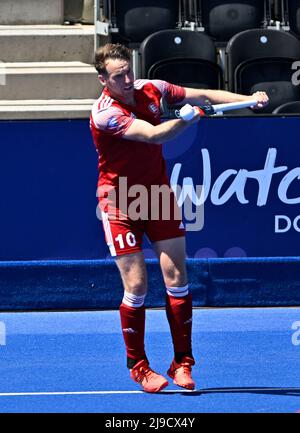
[(110, 51)]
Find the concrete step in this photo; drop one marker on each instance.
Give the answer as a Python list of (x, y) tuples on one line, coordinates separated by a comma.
[(49, 80), (31, 12), (46, 109), (45, 43)]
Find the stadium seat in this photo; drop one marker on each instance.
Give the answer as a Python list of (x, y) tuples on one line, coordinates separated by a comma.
[(182, 57), (132, 21), (288, 108), (262, 59), (222, 19)]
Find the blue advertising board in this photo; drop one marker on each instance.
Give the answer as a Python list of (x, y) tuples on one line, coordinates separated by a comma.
[(245, 173), (250, 172)]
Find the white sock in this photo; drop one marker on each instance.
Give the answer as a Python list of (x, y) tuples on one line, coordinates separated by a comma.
[(178, 292), (132, 300)]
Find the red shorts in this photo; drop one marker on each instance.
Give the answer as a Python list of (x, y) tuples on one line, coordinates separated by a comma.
[(124, 235)]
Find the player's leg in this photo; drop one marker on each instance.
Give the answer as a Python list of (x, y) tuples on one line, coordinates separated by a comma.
[(132, 312), (132, 309), (172, 256)]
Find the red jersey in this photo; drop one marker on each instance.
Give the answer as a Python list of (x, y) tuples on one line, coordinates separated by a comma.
[(142, 163)]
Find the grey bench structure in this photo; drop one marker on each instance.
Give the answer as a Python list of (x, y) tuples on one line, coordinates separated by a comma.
[(46, 66)]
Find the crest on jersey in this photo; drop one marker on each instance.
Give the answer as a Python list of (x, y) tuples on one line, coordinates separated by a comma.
[(153, 108)]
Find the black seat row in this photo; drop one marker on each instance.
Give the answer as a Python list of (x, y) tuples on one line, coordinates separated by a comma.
[(222, 19), (131, 21), (181, 41)]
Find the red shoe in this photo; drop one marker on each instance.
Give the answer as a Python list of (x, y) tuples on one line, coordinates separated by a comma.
[(181, 372), (147, 378)]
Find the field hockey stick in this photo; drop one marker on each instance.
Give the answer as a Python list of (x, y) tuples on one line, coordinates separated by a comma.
[(187, 112)]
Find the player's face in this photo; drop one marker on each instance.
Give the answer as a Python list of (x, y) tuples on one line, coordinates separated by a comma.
[(119, 80)]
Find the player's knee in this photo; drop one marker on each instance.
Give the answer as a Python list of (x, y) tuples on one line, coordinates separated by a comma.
[(136, 288)]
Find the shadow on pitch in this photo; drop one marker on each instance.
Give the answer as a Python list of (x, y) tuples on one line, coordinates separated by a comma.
[(240, 390)]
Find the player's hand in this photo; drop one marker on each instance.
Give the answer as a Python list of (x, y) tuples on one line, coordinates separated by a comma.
[(191, 114), (261, 98)]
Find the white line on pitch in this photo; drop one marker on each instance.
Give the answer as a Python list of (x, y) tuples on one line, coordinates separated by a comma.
[(173, 391), (16, 394)]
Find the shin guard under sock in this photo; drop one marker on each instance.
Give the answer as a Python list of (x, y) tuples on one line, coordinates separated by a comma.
[(133, 329), (179, 314)]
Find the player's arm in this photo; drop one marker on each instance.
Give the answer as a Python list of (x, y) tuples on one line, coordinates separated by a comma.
[(202, 96), (140, 130)]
